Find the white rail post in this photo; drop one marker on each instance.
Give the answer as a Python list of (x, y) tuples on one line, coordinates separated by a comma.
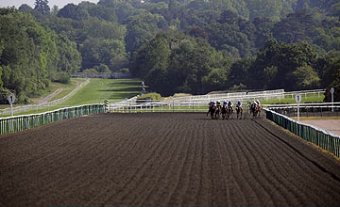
[(11, 100), (332, 98), (298, 100)]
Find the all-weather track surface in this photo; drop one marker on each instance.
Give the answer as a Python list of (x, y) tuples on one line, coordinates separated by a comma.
[(169, 159)]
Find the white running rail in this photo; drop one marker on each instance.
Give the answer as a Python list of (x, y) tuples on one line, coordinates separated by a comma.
[(29, 107)]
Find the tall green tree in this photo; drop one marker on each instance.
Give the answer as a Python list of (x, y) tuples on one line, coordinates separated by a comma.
[(279, 65), (175, 62), (26, 8), (306, 77), (331, 74), (31, 53), (1, 48), (239, 73), (73, 12), (41, 6), (142, 28), (68, 61)]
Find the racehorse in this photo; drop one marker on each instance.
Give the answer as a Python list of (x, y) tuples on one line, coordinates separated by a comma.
[(239, 111), (212, 109), (255, 109), (218, 112), (229, 111), (224, 111)]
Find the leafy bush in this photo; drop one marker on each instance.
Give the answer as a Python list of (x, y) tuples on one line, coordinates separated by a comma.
[(124, 70), (61, 77), (149, 97)]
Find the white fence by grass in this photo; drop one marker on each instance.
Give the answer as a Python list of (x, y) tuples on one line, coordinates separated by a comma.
[(268, 94), (204, 99), (200, 103), (31, 107)]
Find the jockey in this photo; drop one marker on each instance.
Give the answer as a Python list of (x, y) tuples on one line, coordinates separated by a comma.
[(225, 104), (239, 104), (257, 102), (218, 104), (230, 104), (211, 107)]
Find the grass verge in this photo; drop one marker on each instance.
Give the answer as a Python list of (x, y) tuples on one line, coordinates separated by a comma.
[(310, 98), (97, 91)]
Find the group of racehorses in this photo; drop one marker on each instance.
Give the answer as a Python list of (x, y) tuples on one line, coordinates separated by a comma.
[(225, 111)]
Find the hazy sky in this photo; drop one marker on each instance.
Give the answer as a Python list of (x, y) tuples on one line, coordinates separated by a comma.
[(51, 3)]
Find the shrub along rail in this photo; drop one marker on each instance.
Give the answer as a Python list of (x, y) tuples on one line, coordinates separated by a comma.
[(20, 123), (323, 139)]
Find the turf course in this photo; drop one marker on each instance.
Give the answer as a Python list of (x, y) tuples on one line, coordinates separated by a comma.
[(310, 98), (97, 91), (54, 86)]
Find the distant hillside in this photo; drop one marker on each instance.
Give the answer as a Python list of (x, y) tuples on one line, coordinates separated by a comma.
[(180, 45)]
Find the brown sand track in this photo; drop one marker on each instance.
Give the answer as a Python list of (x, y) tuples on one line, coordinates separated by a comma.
[(164, 160)]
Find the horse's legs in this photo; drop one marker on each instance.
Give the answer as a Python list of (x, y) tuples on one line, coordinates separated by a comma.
[(254, 114), (239, 113)]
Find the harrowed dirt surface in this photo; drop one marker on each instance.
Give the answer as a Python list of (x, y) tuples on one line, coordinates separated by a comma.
[(168, 159)]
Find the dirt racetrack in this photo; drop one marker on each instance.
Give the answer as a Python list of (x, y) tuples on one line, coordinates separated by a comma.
[(168, 160)]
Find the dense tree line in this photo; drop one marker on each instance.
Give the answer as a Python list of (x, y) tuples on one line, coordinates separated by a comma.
[(32, 55), (173, 62), (193, 46)]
